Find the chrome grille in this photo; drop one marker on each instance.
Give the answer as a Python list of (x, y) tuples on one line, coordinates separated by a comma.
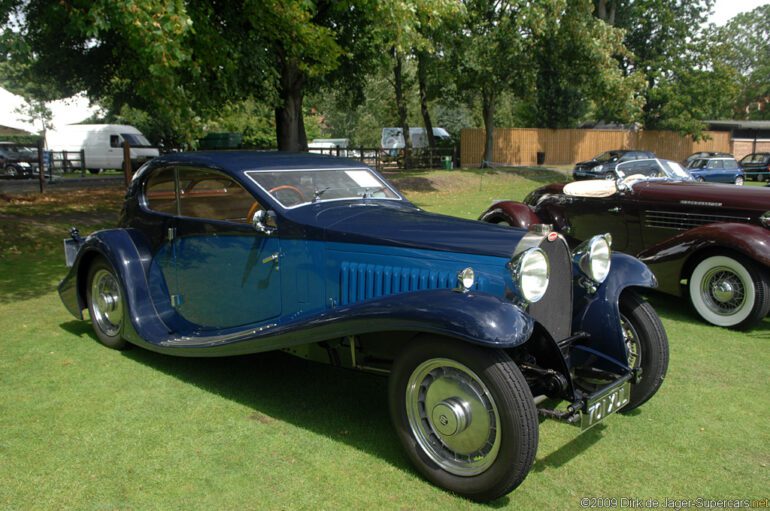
[(554, 310), (684, 221), (359, 281)]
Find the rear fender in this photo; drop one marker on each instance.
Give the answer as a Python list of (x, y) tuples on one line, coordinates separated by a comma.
[(129, 255), (516, 214), (671, 260), (598, 313)]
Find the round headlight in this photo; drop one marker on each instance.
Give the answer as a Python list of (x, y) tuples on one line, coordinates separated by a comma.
[(466, 278), (594, 256), (765, 219), (598, 168), (531, 271)]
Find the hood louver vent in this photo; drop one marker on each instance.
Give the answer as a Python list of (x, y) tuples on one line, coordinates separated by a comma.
[(684, 221), (359, 282)]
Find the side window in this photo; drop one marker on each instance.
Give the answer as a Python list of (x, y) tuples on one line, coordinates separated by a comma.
[(715, 164), (160, 191), (114, 140), (212, 195)]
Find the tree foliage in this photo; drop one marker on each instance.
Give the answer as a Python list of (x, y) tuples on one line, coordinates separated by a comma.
[(746, 43)]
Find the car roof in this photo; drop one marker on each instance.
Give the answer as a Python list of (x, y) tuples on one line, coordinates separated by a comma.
[(240, 161)]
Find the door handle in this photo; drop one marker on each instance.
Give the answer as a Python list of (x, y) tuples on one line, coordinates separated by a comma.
[(616, 209), (271, 258)]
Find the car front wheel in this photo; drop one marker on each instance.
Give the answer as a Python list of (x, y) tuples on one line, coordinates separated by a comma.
[(646, 347), (465, 416), (739, 181), (105, 298), (730, 291)]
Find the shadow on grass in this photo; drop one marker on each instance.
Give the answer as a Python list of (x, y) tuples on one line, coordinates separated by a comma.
[(671, 307), (24, 277), (413, 184), (570, 450), (344, 405)]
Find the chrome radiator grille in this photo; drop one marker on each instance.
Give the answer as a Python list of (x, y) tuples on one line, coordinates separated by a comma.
[(684, 221), (359, 282), (554, 310)]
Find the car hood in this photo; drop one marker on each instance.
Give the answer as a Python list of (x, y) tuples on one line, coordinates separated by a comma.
[(413, 228), (699, 195), (750, 198)]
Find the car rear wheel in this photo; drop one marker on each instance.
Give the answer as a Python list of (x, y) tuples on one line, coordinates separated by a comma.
[(739, 181), (465, 416), (105, 298), (730, 291), (646, 347)]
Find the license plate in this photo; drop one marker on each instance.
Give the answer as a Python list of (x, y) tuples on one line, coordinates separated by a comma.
[(606, 403)]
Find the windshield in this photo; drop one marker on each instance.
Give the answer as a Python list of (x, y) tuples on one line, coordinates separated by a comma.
[(292, 188), (653, 169), (607, 156), (135, 140)]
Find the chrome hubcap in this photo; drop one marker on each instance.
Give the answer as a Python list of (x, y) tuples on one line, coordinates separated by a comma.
[(723, 291), (106, 305), (453, 416)]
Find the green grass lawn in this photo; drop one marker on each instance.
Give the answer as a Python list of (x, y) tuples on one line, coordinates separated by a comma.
[(85, 427)]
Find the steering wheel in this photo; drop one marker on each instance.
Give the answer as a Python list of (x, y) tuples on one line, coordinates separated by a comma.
[(293, 189)]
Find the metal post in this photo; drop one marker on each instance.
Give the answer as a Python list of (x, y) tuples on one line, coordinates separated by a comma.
[(83, 160), (126, 162), (40, 176)]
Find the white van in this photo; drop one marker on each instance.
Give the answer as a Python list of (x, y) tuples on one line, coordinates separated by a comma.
[(392, 138), (102, 144)]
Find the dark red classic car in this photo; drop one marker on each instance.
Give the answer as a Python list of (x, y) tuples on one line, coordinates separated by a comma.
[(708, 242)]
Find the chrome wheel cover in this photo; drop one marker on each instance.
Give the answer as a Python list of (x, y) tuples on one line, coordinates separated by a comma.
[(106, 302), (723, 291), (453, 416)]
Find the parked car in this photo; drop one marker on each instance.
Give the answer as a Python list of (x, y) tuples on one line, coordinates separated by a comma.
[(756, 166), (603, 165), (705, 154), (102, 144), (481, 329), (707, 243), (716, 170), (17, 161)]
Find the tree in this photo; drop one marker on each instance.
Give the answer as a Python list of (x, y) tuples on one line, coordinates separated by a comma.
[(577, 74), (183, 60), (493, 53), (666, 46), (746, 44)]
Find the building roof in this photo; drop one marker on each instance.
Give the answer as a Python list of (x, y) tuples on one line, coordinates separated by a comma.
[(742, 125)]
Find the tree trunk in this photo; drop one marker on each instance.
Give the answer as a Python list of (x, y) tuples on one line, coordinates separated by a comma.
[(398, 85), (289, 121), (488, 112), (422, 78)]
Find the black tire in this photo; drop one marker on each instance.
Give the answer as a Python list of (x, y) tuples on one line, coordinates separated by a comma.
[(608, 176), (106, 309), (647, 345), (507, 451), (742, 274), (94, 171)]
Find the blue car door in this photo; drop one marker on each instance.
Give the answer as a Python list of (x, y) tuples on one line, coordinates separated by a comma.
[(226, 273)]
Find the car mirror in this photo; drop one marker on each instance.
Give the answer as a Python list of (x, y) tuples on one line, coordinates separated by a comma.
[(265, 222)]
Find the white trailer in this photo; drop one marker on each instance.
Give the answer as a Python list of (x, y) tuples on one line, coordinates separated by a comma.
[(102, 144)]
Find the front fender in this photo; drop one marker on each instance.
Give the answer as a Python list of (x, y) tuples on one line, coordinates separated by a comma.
[(669, 258), (598, 313), (517, 214)]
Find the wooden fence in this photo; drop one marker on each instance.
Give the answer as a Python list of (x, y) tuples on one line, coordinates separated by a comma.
[(520, 146)]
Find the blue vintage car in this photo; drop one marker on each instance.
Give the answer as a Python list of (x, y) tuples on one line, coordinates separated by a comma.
[(480, 328)]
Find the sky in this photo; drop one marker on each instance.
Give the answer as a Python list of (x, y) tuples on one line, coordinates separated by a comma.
[(77, 109)]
